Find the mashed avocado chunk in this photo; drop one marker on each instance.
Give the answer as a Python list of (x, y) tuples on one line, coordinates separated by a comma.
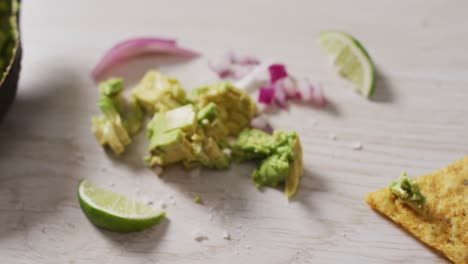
[(109, 129), (175, 137), (157, 92), (407, 190), (233, 112), (280, 155), (120, 120)]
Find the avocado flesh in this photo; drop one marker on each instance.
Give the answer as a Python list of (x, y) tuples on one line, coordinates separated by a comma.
[(194, 147), (120, 120), (234, 108), (109, 129), (280, 155), (157, 92)]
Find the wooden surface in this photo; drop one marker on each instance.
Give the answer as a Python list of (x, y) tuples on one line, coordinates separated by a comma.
[(416, 123)]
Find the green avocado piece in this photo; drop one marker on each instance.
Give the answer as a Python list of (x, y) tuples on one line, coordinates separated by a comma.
[(183, 118), (111, 87), (281, 156), (296, 169), (133, 117), (109, 129), (234, 109), (272, 171), (169, 147), (408, 191), (120, 119), (208, 113), (157, 92), (253, 144), (169, 133), (208, 153)]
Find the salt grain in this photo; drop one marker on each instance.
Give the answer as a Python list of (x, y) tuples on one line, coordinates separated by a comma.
[(199, 236), (162, 204), (226, 235), (357, 146)]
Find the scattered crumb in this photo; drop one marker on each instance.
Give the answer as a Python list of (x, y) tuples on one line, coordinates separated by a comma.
[(111, 184), (205, 122), (236, 252), (465, 182), (197, 199), (195, 173), (226, 235), (170, 196), (199, 236), (162, 204), (297, 251), (211, 217), (227, 152), (332, 136), (158, 170), (247, 247), (357, 146)]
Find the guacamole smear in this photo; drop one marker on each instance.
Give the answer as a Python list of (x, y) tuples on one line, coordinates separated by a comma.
[(8, 35), (280, 157), (407, 190)]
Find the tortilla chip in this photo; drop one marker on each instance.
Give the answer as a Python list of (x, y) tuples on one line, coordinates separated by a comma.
[(443, 225)]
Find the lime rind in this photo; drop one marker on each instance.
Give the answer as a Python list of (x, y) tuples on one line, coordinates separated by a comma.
[(336, 43), (115, 212)]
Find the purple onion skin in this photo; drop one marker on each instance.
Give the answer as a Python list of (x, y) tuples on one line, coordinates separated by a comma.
[(10, 84)]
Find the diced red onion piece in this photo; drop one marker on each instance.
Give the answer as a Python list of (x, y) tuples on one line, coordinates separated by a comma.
[(221, 66), (318, 96), (288, 85), (239, 72), (277, 71), (244, 60), (135, 47), (280, 98), (266, 95), (261, 123), (312, 93)]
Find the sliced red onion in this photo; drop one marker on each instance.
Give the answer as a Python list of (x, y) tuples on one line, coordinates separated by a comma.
[(135, 47), (261, 123), (266, 95), (277, 72)]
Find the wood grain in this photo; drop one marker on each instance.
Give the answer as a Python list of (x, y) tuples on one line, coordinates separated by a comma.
[(416, 122)]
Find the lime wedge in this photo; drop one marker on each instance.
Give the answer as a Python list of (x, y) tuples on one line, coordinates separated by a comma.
[(351, 59), (113, 211)]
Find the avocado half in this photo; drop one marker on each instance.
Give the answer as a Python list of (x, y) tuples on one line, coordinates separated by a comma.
[(9, 81)]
